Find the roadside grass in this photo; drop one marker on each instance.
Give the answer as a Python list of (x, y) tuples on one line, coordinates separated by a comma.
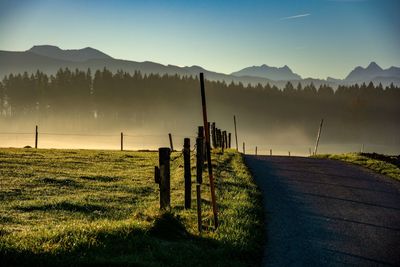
[(387, 165), (101, 208)]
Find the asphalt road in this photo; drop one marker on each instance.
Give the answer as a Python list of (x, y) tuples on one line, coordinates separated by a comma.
[(327, 213)]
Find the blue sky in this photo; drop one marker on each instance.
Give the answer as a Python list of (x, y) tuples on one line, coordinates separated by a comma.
[(316, 38)]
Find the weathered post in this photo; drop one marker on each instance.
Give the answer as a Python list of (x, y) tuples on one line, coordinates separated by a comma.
[(122, 141), (256, 150), (214, 137), (187, 174), (162, 177), (36, 136), (171, 145), (244, 148), (234, 121), (289, 153), (199, 174), (270, 152), (222, 143), (218, 137), (225, 139), (208, 148), (318, 136), (229, 140)]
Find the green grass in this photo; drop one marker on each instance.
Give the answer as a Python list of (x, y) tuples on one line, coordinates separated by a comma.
[(90, 208), (378, 163)]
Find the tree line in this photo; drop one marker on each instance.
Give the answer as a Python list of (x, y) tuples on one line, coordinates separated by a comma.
[(139, 99)]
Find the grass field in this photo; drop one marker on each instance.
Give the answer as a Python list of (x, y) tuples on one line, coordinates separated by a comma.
[(387, 165), (91, 208)]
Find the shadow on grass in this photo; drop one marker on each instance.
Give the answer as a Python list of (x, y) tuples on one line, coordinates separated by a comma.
[(61, 182), (64, 206), (167, 243), (100, 178)]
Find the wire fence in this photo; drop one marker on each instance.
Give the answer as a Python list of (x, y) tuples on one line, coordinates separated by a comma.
[(131, 141), (91, 141)]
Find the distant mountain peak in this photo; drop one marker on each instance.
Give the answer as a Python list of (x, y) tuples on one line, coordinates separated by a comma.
[(374, 66), (74, 55), (371, 73), (272, 73)]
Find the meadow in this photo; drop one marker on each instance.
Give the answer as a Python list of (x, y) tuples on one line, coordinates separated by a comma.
[(101, 208), (384, 164)]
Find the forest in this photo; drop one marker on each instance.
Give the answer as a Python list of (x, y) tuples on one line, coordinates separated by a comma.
[(75, 100)]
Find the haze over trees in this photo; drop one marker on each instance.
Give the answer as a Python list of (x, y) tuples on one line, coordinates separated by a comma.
[(77, 100)]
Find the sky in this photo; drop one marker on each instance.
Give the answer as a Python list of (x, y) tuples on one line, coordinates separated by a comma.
[(315, 38)]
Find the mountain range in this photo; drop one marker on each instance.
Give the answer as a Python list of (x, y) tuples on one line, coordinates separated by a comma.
[(49, 59)]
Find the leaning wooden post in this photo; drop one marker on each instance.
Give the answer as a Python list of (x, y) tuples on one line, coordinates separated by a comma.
[(234, 121), (244, 148), (122, 141), (36, 136), (199, 174), (187, 174), (229, 140), (170, 142), (318, 136), (208, 148), (162, 177)]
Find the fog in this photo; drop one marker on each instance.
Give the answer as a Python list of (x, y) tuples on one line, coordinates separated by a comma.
[(81, 110), (281, 140)]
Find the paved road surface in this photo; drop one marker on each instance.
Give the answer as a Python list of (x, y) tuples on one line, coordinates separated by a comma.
[(327, 213)]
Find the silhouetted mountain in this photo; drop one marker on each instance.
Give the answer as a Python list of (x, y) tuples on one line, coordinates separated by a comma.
[(373, 73), (49, 59), (272, 73), (75, 55)]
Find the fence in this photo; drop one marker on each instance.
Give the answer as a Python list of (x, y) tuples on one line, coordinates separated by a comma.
[(112, 141)]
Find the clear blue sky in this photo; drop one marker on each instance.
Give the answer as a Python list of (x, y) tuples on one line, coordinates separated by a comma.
[(315, 38)]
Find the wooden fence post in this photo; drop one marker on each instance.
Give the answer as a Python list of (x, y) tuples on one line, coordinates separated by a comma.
[(270, 152), (222, 142), (199, 174), (229, 140), (187, 174), (162, 177), (318, 136), (225, 139), (36, 136), (208, 148), (234, 121), (256, 150), (214, 137), (244, 148), (218, 137), (289, 153), (122, 141), (170, 142)]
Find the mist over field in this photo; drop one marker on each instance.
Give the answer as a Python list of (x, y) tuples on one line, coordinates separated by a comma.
[(76, 109)]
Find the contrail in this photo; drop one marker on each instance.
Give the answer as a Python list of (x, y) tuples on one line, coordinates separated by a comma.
[(296, 16)]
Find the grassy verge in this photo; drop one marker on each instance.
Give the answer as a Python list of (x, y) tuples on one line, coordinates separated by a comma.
[(91, 208), (387, 165)]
